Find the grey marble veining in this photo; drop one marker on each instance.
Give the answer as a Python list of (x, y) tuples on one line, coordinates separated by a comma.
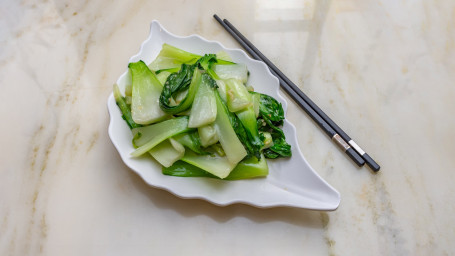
[(383, 70)]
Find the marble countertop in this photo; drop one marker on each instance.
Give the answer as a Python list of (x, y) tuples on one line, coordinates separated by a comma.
[(383, 70)]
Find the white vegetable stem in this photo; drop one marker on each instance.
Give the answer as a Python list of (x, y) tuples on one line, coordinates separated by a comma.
[(216, 165), (235, 71), (231, 144), (152, 135), (203, 111), (238, 97), (167, 152), (208, 135), (146, 90)]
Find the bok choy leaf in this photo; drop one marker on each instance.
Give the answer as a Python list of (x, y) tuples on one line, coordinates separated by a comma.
[(192, 141), (246, 169), (248, 119), (271, 116), (231, 144), (126, 112), (167, 152), (172, 57), (203, 111), (188, 78), (145, 138), (146, 90)]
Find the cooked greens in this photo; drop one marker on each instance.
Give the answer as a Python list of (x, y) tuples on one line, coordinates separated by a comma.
[(147, 137), (145, 93), (246, 169), (195, 115), (248, 120), (179, 89), (203, 110), (124, 108), (271, 116)]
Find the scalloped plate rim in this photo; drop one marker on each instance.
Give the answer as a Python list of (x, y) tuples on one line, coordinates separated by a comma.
[(325, 207)]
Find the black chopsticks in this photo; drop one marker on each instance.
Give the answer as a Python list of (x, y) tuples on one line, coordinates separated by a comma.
[(330, 128)]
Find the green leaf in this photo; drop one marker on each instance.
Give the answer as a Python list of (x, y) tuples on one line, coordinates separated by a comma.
[(188, 78), (206, 62), (271, 108), (271, 116), (280, 148)]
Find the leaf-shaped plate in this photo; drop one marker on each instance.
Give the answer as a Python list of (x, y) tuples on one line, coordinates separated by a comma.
[(291, 182)]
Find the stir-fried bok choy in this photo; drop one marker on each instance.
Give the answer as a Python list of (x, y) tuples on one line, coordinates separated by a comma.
[(196, 116)]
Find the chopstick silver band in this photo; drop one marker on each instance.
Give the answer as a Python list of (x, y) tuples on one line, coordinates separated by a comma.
[(356, 147), (340, 142)]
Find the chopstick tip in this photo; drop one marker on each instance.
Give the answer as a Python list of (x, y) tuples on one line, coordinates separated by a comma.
[(217, 18)]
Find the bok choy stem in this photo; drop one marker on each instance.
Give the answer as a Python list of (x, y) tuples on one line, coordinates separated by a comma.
[(151, 135)]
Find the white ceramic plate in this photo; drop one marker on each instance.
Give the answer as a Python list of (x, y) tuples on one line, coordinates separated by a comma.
[(291, 182)]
